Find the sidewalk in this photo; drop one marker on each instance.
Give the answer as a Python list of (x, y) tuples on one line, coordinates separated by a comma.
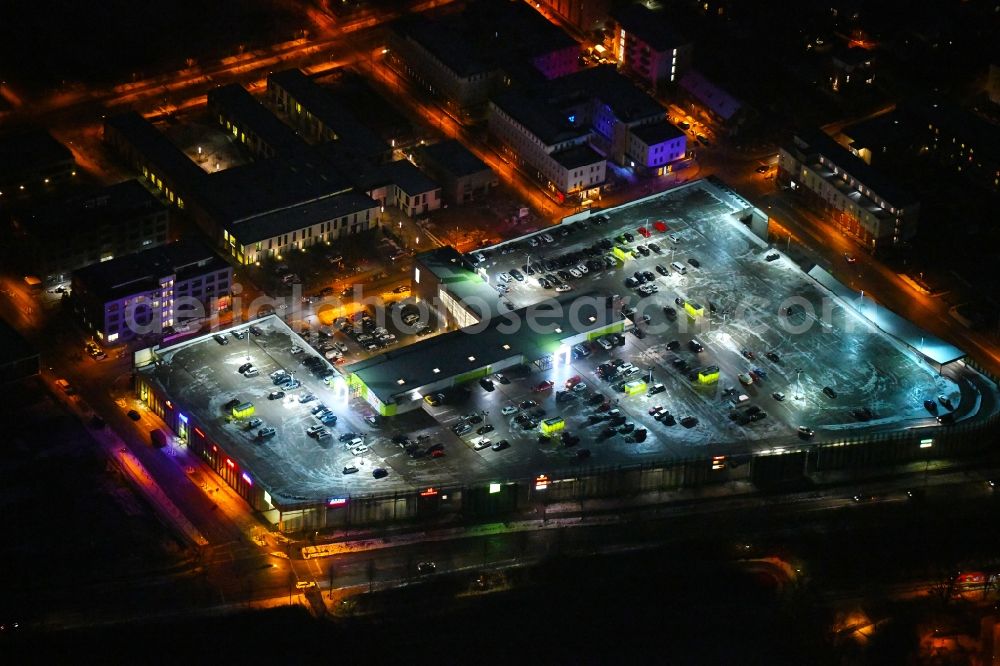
[(117, 451)]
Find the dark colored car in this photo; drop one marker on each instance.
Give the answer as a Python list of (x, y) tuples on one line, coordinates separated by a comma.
[(828, 390), (380, 473), (863, 414), (275, 395)]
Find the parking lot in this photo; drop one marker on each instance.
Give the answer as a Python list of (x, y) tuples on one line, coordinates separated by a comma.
[(743, 290)]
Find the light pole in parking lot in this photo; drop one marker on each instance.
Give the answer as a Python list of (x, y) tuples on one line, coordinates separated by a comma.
[(798, 383)]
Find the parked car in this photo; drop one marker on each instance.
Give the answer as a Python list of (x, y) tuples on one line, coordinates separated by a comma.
[(828, 390), (543, 386)]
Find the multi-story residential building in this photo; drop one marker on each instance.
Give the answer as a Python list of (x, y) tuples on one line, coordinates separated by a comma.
[(252, 124), (464, 176), (863, 203), (567, 128), (549, 141), (63, 236), (399, 184), (850, 68), (142, 294), (461, 56), (257, 210), (162, 164), (320, 222), (608, 103), (322, 118), (653, 148), (645, 46), (33, 163), (953, 138), (719, 107)]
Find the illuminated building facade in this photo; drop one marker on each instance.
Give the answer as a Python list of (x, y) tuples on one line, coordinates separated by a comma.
[(144, 293), (863, 203), (647, 48)]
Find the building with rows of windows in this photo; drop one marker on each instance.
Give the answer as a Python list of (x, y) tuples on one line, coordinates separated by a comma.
[(143, 294), (865, 204), (62, 236)]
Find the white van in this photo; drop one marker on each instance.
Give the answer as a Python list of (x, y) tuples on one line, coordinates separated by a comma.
[(679, 267)]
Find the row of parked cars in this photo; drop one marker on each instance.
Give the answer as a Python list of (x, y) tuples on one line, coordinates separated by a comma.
[(546, 238)]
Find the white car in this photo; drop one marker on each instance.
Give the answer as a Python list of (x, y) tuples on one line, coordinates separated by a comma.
[(605, 343), (582, 268), (674, 238), (358, 450), (575, 273), (296, 349), (480, 443), (563, 288), (508, 410), (547, 238)]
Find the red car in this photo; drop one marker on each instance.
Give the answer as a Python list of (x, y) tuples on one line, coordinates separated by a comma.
[(573, 381), (660, 226), (544, 386), (644, 232)]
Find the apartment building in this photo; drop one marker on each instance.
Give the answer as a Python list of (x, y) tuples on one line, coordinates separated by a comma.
[(144, 293), (646, 47), (863, 203), (62, 236)]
